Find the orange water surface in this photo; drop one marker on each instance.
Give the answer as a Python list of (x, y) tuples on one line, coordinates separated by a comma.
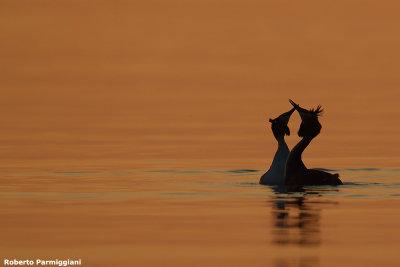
[(133, 133)]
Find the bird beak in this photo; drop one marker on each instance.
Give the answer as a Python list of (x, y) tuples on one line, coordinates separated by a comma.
[(303, 112), (286, 116), (289, 113), (294, 104)]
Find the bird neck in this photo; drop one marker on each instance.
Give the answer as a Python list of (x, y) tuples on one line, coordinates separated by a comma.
[(301, 146), (282, 152), (294, 161), (281, 141)]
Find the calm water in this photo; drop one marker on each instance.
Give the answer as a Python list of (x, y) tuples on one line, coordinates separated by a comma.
[(133, 133), (198, 217)]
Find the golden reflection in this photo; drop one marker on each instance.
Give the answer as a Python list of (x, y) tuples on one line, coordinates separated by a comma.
[(296, 217), (302, 262)]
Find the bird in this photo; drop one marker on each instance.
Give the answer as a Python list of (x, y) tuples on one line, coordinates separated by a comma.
[(275, 174), (296, 173)]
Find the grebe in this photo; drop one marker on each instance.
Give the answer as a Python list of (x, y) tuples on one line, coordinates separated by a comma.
[(296, 172), (276, 173)]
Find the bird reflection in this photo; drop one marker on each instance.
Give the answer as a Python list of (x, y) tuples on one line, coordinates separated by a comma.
[(296, 216), (302, 262)]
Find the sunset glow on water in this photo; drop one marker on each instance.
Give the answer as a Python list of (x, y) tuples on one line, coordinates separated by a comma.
[(135, 133)]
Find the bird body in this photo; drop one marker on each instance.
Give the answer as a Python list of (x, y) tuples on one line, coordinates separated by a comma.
[(276, 172), (296, 173)]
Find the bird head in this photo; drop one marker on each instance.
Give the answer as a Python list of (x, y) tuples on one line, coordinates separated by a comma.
[(279, 125), (310, 126)]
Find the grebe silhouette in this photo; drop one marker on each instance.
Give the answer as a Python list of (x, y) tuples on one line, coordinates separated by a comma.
[(296, 172), (276, 173)]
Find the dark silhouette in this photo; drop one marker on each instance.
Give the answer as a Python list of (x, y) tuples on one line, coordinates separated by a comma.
[(276, 173), (296, 172)]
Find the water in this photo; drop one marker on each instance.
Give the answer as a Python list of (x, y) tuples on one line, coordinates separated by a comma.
[(133, 133), (197, 217)]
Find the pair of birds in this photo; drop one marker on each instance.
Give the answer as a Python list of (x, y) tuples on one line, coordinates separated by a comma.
[(287, 167)]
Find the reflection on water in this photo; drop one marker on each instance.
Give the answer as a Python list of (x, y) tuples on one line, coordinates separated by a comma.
[(296, 216), (209, 217), (302, 262)]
